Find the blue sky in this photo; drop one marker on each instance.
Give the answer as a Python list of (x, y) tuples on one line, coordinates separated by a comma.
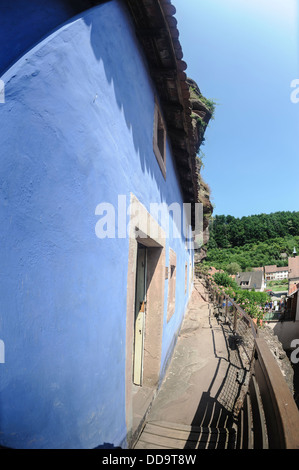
[(243, 54)]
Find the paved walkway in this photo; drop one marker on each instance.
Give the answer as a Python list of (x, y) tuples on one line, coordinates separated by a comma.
[(193, 408)]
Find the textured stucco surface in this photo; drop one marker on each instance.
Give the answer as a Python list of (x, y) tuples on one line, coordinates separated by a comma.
[(24, 23), (76, 131)]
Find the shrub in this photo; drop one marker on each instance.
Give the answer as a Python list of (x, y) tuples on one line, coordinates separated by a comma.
[(223, 279), (250, 301)]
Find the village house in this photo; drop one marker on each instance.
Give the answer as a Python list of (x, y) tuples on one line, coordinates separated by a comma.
[(293, 303), (97, 115), (261, 268), (293, 273), (287, 328), (274, 273), (251, 281)]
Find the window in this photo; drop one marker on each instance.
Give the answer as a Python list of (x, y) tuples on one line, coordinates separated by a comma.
[(171, 284), (159, 141)]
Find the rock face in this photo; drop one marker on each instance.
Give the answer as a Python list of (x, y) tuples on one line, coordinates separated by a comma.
[(280, 355), (202, 112)]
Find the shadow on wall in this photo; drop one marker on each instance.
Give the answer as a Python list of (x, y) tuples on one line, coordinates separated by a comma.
[(132, 90), (23, 24), (52, 162)]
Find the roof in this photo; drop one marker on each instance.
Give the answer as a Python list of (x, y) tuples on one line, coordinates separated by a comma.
[(293, 288), (254, 279), (213, 270), (156, 29), (275, 269), (270, 269), (294, 267)]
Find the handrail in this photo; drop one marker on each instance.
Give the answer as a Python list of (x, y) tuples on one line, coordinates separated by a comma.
[(280, 410), (244, 315)]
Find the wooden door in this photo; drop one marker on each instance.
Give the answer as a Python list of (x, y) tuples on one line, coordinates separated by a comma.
[(140, 312)]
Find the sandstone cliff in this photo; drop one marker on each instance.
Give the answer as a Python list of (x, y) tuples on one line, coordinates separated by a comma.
[(202, 113)]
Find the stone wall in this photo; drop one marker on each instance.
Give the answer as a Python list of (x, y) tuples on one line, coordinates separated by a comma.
[(280, 355)]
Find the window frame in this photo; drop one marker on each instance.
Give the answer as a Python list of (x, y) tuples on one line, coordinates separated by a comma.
[(171, 284), (159, 126)]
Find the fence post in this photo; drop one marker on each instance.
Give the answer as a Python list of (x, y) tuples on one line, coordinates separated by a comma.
[(226, 309), (235, 320)]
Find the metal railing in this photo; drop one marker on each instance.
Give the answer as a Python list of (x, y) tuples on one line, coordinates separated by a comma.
[(268, 417), (272, 316)]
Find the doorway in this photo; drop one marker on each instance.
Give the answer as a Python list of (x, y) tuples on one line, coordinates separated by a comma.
[(145, 312), (140, 313)]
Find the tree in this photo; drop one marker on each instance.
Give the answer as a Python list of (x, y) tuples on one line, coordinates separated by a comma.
[(233, 268), (223, 279), (228, 231)]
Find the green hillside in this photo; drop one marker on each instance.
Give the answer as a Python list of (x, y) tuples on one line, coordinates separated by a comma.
[(252, 241)]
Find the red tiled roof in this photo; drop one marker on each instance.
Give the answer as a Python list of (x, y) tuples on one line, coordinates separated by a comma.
[(293, 288), (294, 267), (213, 270), (270, 269), (275, 269)]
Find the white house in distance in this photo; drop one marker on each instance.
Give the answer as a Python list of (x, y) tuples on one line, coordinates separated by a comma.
[(274, 273), (251, 280), (288, 331)]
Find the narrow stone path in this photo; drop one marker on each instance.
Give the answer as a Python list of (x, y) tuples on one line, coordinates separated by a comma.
[(195, 404)]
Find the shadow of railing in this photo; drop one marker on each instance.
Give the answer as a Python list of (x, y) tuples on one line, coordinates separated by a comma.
[(265, 414), (215, 417)]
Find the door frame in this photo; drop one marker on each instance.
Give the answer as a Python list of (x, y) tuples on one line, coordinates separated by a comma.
[(140, 318), (145, 230)]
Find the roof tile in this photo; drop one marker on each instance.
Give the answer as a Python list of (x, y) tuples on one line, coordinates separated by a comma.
[(294, 267)]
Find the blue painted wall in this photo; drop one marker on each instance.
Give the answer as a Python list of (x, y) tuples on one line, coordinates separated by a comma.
[(77, 129), (23, 23)]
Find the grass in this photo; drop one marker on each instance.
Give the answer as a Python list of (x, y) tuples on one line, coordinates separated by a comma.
[(280, 288), (277, 286)]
